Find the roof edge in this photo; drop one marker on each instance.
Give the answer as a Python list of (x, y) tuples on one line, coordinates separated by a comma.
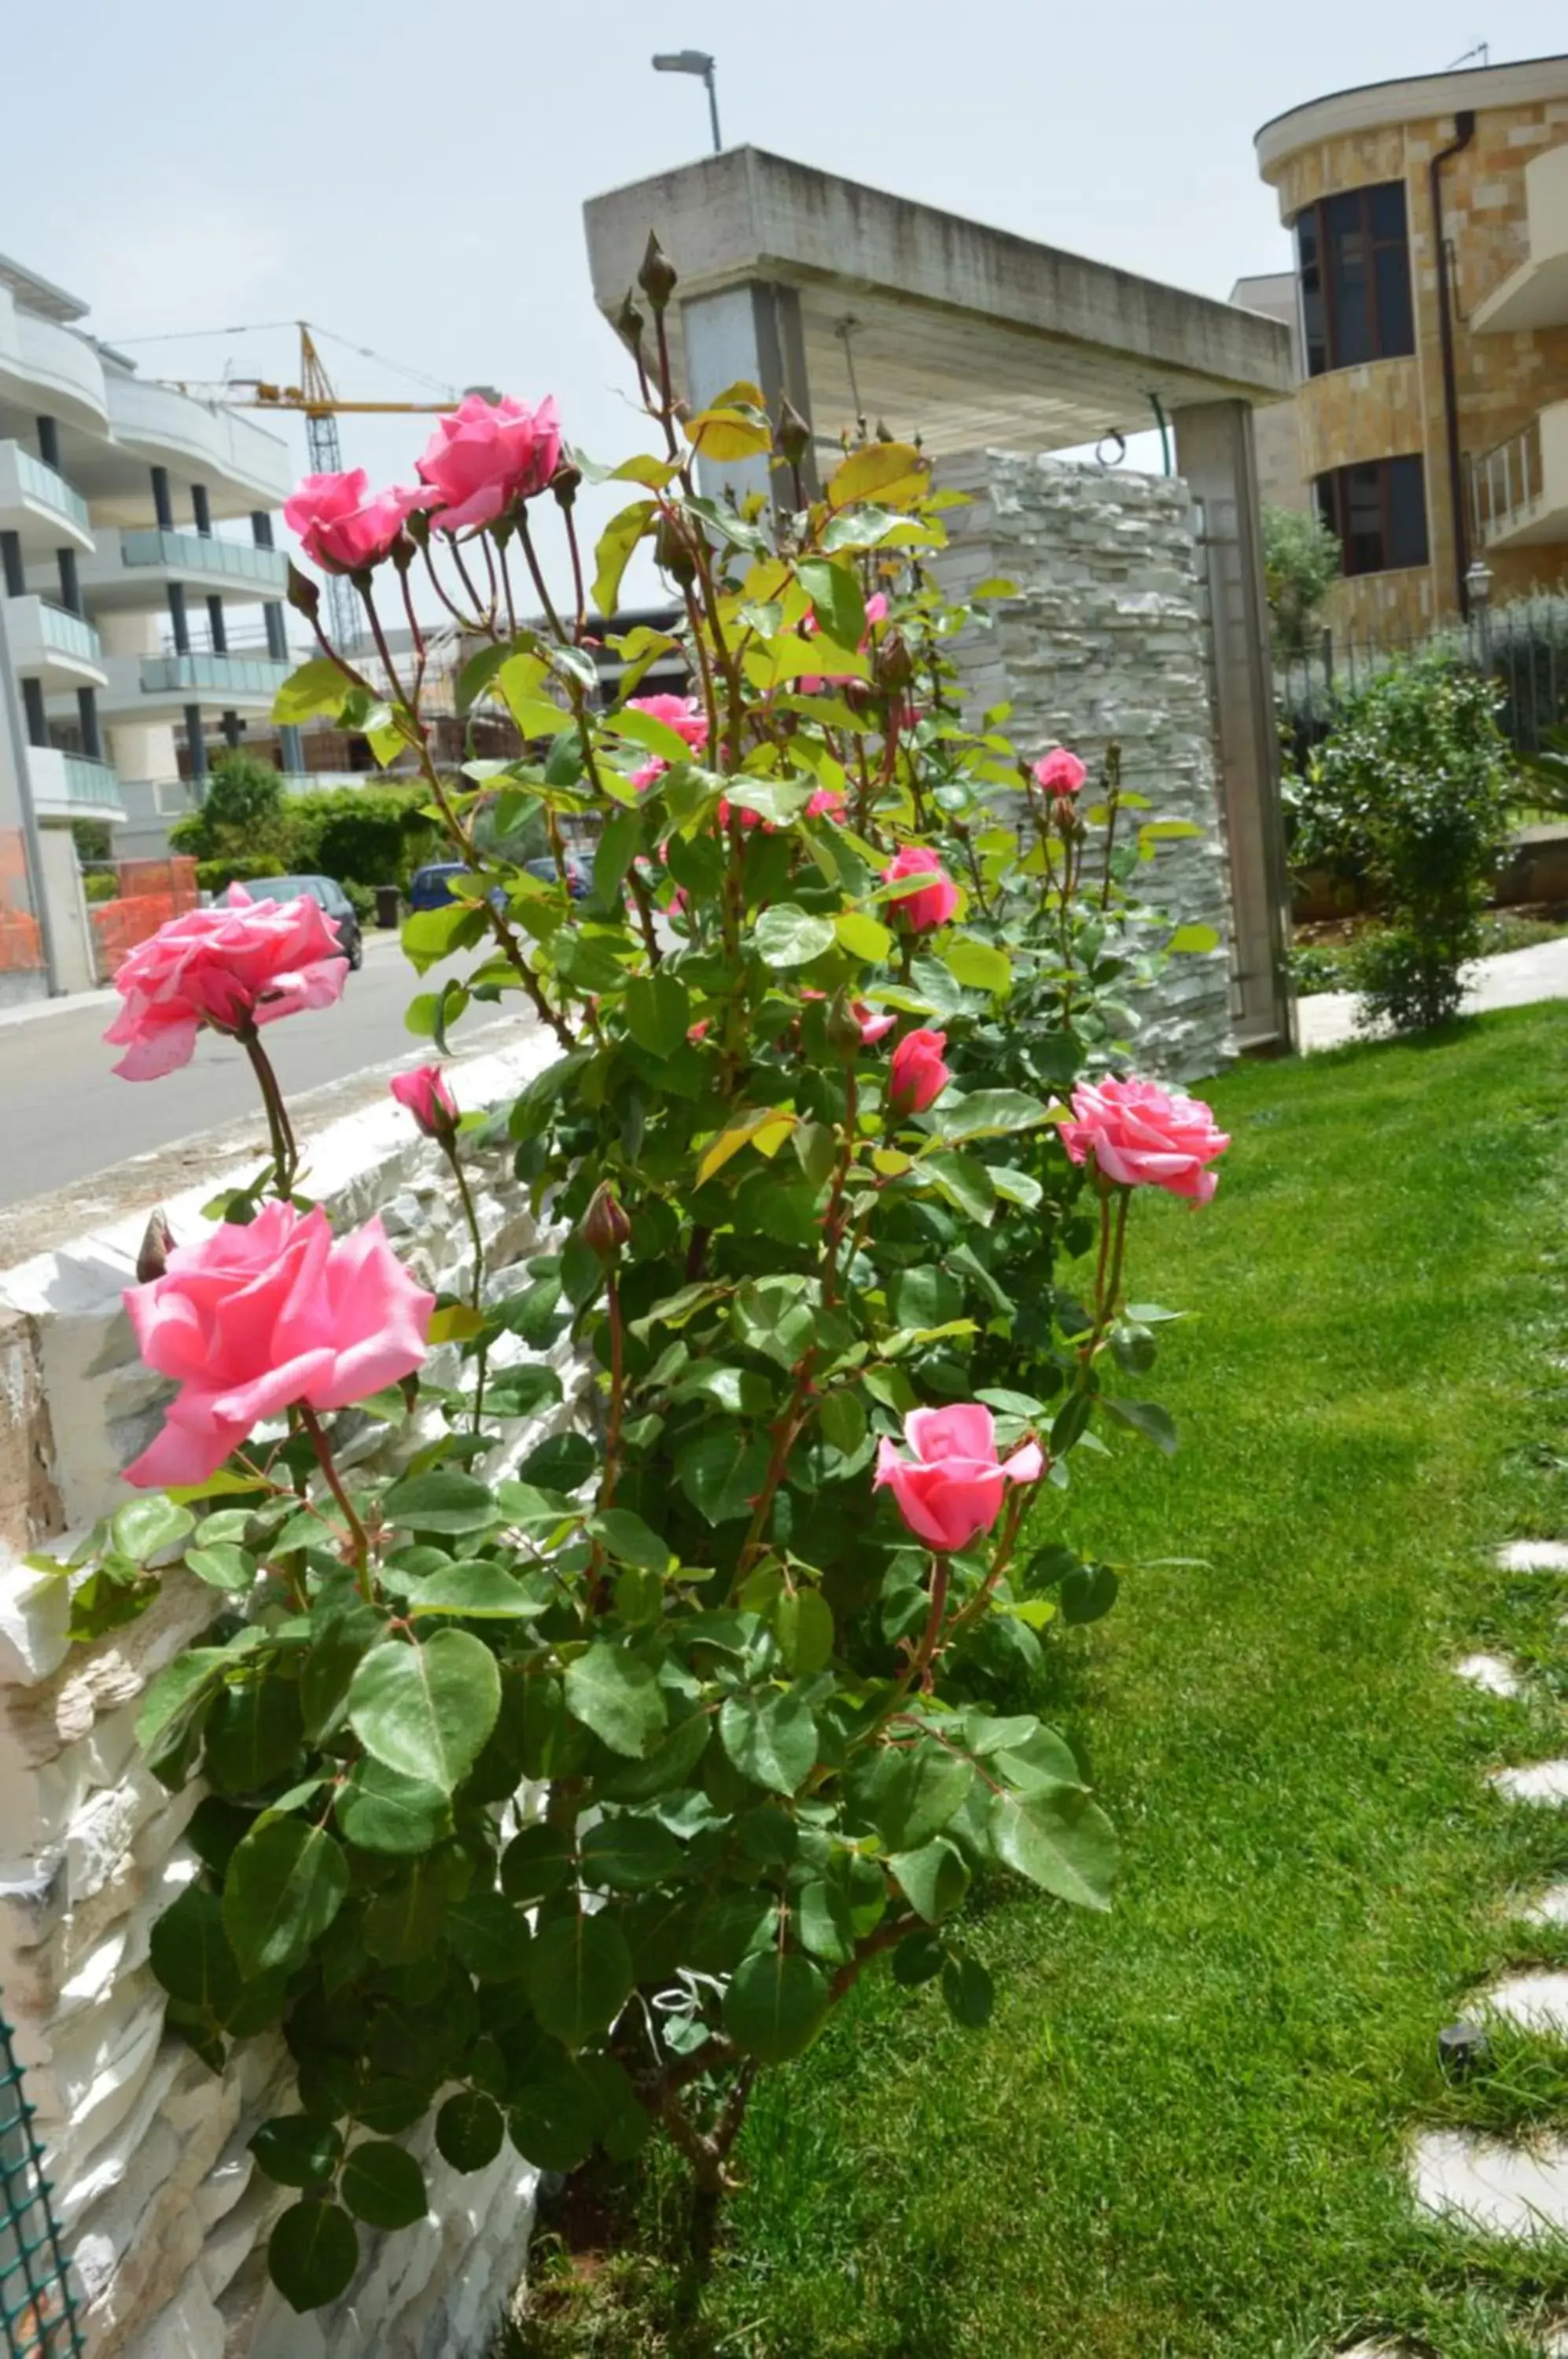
[(1410, 98)]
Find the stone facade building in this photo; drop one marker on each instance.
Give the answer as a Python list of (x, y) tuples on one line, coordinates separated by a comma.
[(1431, 225)]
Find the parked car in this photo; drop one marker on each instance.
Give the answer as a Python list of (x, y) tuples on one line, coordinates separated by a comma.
[(332, 897), (430, 888)]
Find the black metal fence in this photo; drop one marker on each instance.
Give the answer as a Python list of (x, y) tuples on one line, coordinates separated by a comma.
[(1524, 646)]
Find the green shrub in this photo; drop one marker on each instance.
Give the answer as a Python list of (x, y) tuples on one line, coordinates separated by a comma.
[(1409, 792), (1301, 562), (365, 836), (217, 875), (101, 884)]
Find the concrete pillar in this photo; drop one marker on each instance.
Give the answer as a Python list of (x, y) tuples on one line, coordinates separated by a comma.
[(1215, 454), (91, 735), (197, 744), (33, 708), (48, 443), (69, 580), (233, 728), (216, 624), (201, 508), (177, 617), (61, 885), (11, 567), (750, 333), (162, 505)]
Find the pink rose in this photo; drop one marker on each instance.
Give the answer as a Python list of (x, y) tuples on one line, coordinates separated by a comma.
[(340, 527), (937, 903), (239, 963), (873, 1022), (425, 1094), (1143, 1136), (684, 714), (826, 803), (486, 456), (254, 1319), (1060, 773), (917, 1077), (955, 1486)]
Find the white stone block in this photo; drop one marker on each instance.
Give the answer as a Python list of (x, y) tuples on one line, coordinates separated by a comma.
[(1492, 1673), (1541, 1781), (1482, 2183), (34, 1615), (1532, 2002), (1534, 1555)]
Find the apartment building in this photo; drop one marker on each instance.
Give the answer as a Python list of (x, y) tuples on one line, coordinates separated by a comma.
[(142, 595), (1430, 219)]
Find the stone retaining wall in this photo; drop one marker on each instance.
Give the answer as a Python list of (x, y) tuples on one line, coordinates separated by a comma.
[(1106, 639), (162, 2208)]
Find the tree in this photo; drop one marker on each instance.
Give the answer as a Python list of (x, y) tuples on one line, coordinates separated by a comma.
[(1300, 561)]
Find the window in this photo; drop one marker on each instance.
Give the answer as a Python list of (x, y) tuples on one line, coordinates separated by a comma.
[(1354, 273), (1377, 513)]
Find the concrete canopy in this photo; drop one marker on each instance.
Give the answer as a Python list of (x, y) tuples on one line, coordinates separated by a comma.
[(962, 334)]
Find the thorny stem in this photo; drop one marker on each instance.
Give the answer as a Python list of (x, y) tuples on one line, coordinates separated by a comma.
[(324, 1459), (577, 582), (617, 1390), (1113, 804), (537, 570)]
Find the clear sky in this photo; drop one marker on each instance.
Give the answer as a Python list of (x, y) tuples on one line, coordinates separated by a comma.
[(411, 175)]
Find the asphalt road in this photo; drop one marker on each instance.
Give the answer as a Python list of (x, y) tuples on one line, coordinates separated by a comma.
[(65, 1116)]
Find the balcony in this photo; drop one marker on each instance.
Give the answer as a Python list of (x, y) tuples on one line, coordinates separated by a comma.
[(158, 687), (55, 646), (68, 786), (132, 568), (38, 506), (1536, 294), (1521, 488)]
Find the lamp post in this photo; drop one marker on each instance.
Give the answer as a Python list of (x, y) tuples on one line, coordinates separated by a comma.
[(698, 62)]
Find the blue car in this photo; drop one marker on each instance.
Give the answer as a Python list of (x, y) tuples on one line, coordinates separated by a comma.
[(430, 888)]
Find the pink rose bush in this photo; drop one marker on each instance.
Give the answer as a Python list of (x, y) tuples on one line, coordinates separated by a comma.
[(681, 714), (255, 1318), (951, 1486), (485, 457), (932, 906), (1143, 1136), (341, 527), (916, 1076), (814, 683), (425, 1095), (238, 964)]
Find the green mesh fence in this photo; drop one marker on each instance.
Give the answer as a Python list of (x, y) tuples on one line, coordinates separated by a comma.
[(37, 2309)]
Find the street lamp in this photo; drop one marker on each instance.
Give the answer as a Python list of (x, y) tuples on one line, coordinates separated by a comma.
[(698, 62)]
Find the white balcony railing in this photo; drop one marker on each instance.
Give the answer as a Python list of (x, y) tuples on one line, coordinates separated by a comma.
[(199, 675), (1519, 488), (195, 552), (30, 480), (70, 786)]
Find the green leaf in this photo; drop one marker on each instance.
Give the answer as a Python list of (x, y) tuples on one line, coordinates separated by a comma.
[(284, 1884), (613, 554), (659, 1013), (378, 1809), (614, 1693), (297, 2150), (145, 1526), (721, 1473), (222, 1566), (834, 592), (969, 1992), (175, 1690), (1146, 1418), (488, 1937), (862, 937), (978, 965), (426, 1709), (911, 1795), (894, 471), (253, 1734), (771, 1739), (919, 1958), (1062, 1842), (775, 2005), (617, 846), (445, 1502), (804, 1626), (190, 1953), (430, 935), (579, 1975), (630, 1541), (823, 1922), (318, 687), (556, 2116), (475, 1590), (630, 1855), (967, 1184), (789, 936), (989, 1113), (383, 2185), (1088, 1593), (470, 2129), (933, 1878), (535, 1863), (1193, 938), (312, 2254)]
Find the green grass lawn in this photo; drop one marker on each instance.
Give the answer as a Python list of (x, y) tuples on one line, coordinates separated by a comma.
[(1181, 2136)]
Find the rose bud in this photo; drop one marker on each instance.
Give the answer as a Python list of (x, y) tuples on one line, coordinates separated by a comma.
[(792, 434), (426, 1095), (916, 1076), (656, 277), (157, 1244), (605, 1226)]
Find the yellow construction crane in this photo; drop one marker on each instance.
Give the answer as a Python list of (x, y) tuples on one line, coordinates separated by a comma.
[(318, 401)]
